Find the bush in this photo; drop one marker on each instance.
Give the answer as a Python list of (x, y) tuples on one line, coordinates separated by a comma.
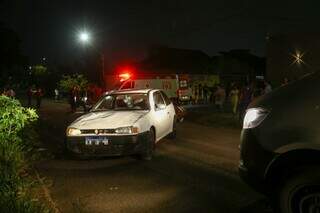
[(15, 183)]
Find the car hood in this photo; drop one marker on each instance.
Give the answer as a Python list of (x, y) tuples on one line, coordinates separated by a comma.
[(108, 119)]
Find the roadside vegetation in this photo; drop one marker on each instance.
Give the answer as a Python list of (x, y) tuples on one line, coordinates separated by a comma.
[(18, 139)]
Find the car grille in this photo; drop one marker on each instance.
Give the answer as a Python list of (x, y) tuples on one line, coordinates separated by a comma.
[(99, 131)]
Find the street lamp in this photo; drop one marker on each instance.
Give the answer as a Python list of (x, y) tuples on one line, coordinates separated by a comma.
[(298, 58), (84, 38)]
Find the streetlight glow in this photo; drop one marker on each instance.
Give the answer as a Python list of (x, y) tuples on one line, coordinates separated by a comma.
[(298, 58), (84, 37)]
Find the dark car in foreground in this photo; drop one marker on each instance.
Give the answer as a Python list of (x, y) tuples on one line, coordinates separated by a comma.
[(280, 146)]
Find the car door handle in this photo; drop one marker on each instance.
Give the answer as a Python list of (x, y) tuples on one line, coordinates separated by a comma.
[(168, 113)]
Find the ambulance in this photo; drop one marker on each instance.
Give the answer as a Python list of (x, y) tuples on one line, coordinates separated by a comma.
[(178, 87), (175, 86)]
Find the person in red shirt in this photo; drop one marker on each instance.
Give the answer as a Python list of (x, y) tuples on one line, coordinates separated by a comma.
[(39, 94)]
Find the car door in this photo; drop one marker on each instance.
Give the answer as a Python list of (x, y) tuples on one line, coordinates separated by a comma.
[(160, 115), (169, 112)]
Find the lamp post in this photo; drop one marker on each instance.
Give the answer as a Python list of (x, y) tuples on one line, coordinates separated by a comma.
[(85, 38)]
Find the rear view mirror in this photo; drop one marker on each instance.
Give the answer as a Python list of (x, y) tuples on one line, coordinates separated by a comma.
[(160, 106)]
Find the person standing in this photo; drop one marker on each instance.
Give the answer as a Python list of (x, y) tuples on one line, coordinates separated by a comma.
[(267, 87), (234, 98), (11, 93), (5, 92), (74, 98), (39, 94), (29, 95), (84, 100), (284, 82), (200, 93), (245, 99), (220, 96), (205, 93), (56, 94), (196, 94)]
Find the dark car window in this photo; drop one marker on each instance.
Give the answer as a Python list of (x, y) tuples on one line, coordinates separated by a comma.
[(166, 99), (158, 99)]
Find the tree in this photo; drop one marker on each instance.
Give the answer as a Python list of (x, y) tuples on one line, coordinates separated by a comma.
[(12, 62), (69, 81)]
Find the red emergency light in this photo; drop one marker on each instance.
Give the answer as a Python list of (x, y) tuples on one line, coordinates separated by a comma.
[(124, 76)]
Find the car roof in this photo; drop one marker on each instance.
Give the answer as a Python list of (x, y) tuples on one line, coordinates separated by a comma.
[(131, 91)]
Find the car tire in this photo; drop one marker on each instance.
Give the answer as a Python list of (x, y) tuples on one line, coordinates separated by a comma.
[(150, 146), (301, 193), (65, 151), (173, 134)]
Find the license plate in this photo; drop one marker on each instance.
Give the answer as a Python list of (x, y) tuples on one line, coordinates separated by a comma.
[(96, 141)]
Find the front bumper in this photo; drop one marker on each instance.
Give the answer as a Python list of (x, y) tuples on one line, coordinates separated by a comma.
[(117, 146), (254, 161)]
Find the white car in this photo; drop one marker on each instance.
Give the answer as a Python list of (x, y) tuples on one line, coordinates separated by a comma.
[(123, 122)]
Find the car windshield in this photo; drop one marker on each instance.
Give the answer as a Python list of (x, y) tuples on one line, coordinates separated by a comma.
[(131, 101)]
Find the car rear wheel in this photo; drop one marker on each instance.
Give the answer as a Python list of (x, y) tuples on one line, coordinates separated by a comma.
[(173, 134), (301, 193), (150, 146)]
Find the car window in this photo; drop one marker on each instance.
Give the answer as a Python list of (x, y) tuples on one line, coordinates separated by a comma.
[(132, 101), (137, 101), (158, 99), (166, 99), (127, 85), (105, 103)]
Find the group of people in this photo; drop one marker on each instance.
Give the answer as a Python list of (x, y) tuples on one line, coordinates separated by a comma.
[(201, 93), (82, 97), (241, 97), (236, 97), (37, 93), (77, 97)]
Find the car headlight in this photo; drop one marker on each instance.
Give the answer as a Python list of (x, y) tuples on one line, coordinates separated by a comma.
[(73, 131), (254, 117), (127, 130)]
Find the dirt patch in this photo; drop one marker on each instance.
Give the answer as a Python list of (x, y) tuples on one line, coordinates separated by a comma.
[(214, 119)]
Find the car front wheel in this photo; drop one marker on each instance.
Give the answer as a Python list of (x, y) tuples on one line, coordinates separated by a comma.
[(150, 146), (301, 193), (173, 134)]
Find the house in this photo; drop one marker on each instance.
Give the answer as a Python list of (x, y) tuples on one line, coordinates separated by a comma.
[(194, 65)]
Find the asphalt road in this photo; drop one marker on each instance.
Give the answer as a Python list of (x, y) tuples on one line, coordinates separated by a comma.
[(197, 172)]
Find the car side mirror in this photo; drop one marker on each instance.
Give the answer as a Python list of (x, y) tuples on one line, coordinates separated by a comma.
[(160, 106)]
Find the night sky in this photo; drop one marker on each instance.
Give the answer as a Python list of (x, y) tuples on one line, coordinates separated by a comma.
[(124, 29)]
